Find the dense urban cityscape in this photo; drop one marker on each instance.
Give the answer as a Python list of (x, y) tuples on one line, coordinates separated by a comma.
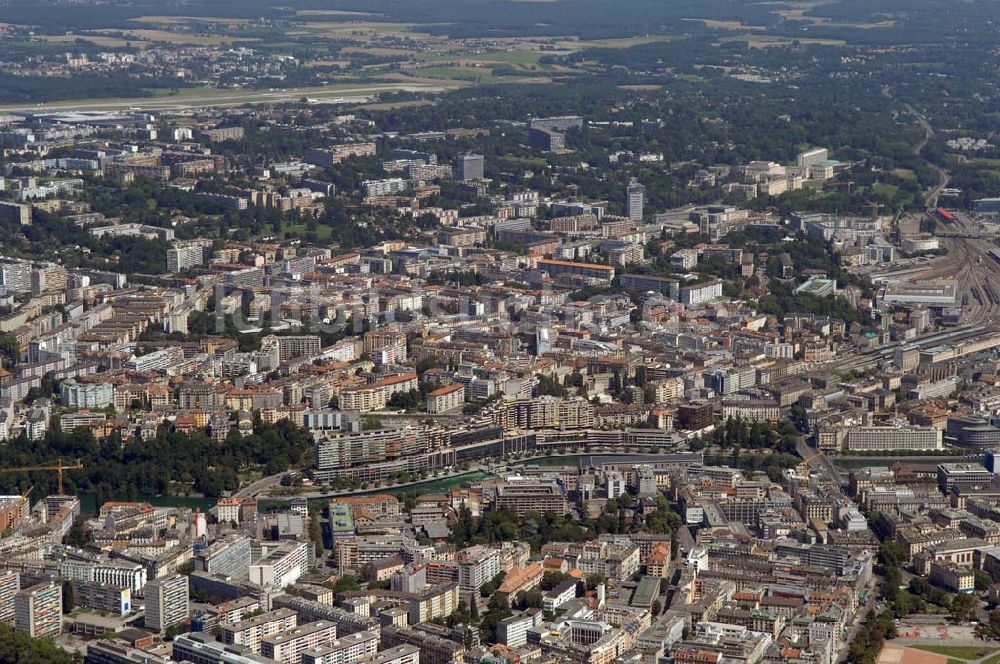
[(469, 332)]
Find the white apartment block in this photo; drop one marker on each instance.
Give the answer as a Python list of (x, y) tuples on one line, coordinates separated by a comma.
[(166, 602), (349, 649), (386, 187), (477, 567), (123, 575), (402, 654), (287, 647), (888, 438), (185, 255), (283, 566), (375, 396), (706, 292), (443, 399), (513, 631), (251, 631)]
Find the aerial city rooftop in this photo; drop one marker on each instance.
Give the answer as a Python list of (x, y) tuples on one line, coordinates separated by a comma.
[(481, 335)]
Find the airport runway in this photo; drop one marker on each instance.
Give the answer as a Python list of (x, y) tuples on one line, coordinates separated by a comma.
[(223, 98)]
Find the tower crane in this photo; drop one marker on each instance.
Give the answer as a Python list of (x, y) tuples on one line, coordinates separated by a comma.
[(59, 467)]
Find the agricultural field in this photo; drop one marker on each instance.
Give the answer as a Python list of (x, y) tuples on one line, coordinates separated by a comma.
[(177, 37)]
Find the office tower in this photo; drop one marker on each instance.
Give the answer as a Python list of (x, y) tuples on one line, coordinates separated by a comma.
[(38, 610), (10, 583), (469, 167), (166, 602), (636, 196)]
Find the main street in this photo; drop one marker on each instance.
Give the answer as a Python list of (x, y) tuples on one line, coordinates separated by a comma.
[(817, 460)]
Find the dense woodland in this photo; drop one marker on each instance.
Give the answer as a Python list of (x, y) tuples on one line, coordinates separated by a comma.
[(17, 648), (171, 463), (915, 22)]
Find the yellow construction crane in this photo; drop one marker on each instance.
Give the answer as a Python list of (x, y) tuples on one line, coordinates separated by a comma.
[(59, 467), (808, 461)]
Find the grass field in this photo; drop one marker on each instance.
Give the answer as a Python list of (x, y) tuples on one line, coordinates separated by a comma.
[(625, 42), (724, 25), (360, 30), (800, 15), (455, 73), (964, 653), (331, 12), (97, 40), (170, 37), (181, 20), (292, 230), (327, 63), (523, 162), (887, 190), (520, 58), (380, 51), (765, 41), (390, 105)]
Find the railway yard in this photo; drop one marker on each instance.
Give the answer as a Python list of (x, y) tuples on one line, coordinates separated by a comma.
[(972, 263)]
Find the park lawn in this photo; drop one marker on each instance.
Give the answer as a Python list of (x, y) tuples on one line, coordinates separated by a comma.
[(323, 232), (887, 190), (958, 652)]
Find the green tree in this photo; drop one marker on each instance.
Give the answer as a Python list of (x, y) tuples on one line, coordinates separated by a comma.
[(17, 648), (474, 611), (549, 386), (76, 535), (316, 534), (891, 554), (594, 580), (890, 588), (962, 606), (460, 616), (991, 629), (551, 579)]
